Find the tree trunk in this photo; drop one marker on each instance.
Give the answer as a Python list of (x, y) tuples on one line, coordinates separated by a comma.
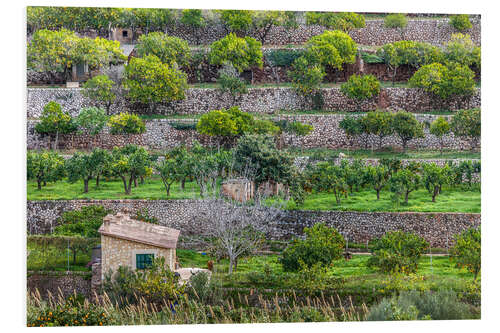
[(86, 185), (378, 193), (125, 185), (74, 257), (406, 196), (436, 191), (97, 180), (135, 182), (183, 183), (56, 141), (131, 179), (39, 184), (231, 263)]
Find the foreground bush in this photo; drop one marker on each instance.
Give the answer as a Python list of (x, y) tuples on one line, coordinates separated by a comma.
[(413, 305), (397, 251), (467, 250), (322, 245)]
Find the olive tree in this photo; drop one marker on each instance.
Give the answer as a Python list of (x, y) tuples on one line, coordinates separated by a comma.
[(361, 88), (230, 81), (406, 127), (149, 81)]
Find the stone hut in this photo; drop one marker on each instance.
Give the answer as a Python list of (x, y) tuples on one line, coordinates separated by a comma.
[(128, 242)]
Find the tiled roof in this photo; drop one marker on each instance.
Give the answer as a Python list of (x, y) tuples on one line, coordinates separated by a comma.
[(124, 227)]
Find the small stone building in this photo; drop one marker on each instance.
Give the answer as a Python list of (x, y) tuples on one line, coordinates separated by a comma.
[(128, 242)]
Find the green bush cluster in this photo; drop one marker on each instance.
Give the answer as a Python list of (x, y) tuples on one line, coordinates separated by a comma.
[(397, 251), (322, 245), (126, 123)]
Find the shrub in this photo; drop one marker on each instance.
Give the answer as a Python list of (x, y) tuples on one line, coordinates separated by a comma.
[(168, 49), (306, 76), (100, 89), (440, 127), (54, 121), (83, 222), (44, 167), (406, 127), (445, 81), (126, 123), (378, 123), (395, 21), (242, 53), (73, 312), (236, 20), (462, 50), (322, 245), (397, 251), (333, 48), (156, 284), (467, 250), (467, 124), (336, 21), (149, 81), (230, 81), (370, 58), (460, 22), (283, 58), (361, 88), (413, 305)]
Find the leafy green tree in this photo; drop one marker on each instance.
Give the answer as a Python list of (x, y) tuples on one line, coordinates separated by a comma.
[(242, 53), (352, 127), (168, 49), (332, 48), (460, 22), (467, 124), (168, 171), (130, 163), (102, 160), (126, 123), (403, 182), (440, 127), (406, 127), (396, 21), (100, 89), (327, 177), (149, 81), (336, 21), (322, 245), (256, 157), (453, 80), (230, 81), (377, 176), (397, 252), (54, 121), (82, 166), (414, 54), (194, 19), (91, 120), (467, 250), (361, 88), (434, 177), (378, 123), (306, 76), (44, 167), (264, 20), (49, 51), (236, 21), (462, 50)]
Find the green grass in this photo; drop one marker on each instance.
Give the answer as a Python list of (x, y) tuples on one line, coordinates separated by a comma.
[(358, 276), (152, 189), (450, 200), (389, 153)]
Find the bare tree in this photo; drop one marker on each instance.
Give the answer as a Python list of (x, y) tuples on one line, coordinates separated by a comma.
[(236, 228)]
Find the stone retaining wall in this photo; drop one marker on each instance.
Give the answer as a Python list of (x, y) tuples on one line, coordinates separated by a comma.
[(56, 282), (437, 228), (161, 135), (258, 100)]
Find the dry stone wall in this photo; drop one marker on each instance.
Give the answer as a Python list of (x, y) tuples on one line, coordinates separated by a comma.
[(437, 228), (59, 282), (326, 134), (435, 31), (258, 100)]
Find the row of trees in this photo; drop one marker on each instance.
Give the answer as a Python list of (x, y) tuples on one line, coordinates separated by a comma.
[(90, 120), (346, 178), (465, 124), (241, 22)]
